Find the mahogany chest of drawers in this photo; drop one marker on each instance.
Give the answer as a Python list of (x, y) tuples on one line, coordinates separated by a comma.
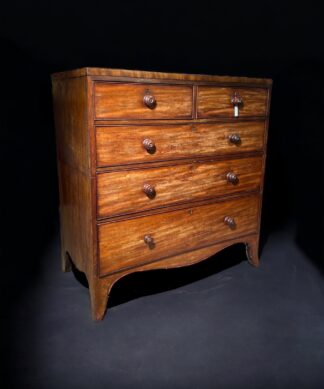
[(156, 170)]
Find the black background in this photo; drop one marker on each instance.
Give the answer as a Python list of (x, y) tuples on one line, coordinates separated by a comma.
[(280, 40)]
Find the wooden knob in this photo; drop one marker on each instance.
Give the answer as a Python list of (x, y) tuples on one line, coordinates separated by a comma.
[(150, 101), (149, 190), (236, 99), (149, 241), (229, 221), (235, 139), (149, 146), (232, 178)]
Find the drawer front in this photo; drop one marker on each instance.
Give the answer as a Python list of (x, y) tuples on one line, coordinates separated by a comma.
[(213, 101), (136, 241), (124, 144), (126, 101), (137, 190)]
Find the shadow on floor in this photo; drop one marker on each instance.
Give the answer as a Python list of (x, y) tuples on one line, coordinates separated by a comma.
[(150, 282)]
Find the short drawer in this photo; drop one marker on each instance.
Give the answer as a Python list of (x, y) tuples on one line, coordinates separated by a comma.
[(136, 241), (138, 190), (137, 144), (217, 102), (142, 101)]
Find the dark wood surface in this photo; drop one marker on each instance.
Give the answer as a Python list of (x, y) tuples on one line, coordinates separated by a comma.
[(122, 245), (70, 113), (73, 154), (122, 192), (109, 226), (125, 101), (147, 75), (212, 101), (124, 144)]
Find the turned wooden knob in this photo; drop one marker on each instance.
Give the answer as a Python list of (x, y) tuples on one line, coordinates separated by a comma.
[(235, 139), (236, 100), (229, 221), (149, 146), (149, 241), (149, 190), (232, 178), (149, 100)]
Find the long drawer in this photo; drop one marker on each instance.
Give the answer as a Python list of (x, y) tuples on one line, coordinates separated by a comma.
[(137, 190), (147, 143), (216, 101), (128, 243), (128, 101)]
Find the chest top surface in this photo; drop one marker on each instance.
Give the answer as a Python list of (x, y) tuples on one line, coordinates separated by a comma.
[(140, 74)]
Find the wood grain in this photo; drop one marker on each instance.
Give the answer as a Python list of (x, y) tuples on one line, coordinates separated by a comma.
[(75, 216), (122, 192), (151, 75), (213, 101), (100, 294), (70, 114), (121, 244), (73, 155), (197, 255), (124, 144), (101, 122), (120, 101)]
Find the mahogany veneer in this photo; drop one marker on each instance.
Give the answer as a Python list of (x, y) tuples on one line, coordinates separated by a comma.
[(156, 170), (175, 141)]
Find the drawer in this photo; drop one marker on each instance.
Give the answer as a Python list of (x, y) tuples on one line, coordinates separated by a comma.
[(137, 190), (215, 101), (124, 144), (142, 101), (136, 241)]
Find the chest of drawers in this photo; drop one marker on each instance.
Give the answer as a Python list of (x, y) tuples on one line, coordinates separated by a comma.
[(156, 170)]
